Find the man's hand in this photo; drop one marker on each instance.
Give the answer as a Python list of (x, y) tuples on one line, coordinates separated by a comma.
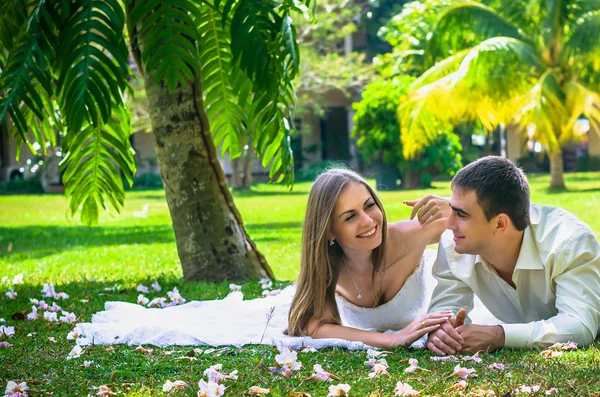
[(446, 340), (481, 337)]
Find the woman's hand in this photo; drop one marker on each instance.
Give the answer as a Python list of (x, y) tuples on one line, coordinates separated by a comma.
[(417, 328), (429, 209)]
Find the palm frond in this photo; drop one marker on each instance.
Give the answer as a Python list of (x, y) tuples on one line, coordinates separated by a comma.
[(585, 39), (93, 63), (473, 84), (225, 87), (581, 101), (467, 18), (167, 33), (26, 77), (95, 159)]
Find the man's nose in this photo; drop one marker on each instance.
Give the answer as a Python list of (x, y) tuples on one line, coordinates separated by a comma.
[(451, 221)]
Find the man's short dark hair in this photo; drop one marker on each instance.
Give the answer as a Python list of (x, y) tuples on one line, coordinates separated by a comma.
[(500, 187)]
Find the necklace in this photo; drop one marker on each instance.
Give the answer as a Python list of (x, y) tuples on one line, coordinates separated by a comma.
[(359, 296)]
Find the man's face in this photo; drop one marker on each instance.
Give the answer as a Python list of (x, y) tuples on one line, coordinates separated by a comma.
[(473, 233)]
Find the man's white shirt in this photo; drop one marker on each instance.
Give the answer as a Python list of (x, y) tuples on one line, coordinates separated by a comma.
[(557, 279)]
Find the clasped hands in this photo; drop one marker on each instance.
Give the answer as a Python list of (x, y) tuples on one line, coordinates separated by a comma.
[(454, 336)]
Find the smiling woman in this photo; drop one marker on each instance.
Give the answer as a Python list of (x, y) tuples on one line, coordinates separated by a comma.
[(359, 275)]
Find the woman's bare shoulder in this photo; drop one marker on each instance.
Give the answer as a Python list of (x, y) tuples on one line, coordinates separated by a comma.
[(404, 236)]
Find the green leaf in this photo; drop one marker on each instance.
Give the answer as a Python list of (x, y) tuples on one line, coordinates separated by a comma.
[(166, 35)]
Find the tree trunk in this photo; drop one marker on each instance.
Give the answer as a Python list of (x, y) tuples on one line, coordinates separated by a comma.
[(557, 180), (211, 241)]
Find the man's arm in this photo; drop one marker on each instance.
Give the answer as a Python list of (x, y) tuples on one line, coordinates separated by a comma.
[(451, 294), (577, 284)]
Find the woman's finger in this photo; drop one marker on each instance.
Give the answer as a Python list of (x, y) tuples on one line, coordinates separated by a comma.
[(437, 315), (426, 330)]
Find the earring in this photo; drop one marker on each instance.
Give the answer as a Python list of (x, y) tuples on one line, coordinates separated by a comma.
[(331, 242)]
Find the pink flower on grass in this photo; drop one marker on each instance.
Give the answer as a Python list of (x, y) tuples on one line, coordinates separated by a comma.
[(461, 372), (33, 315), (142, 300), (156, 286), (14, 389), (55, 308), (551, 391), (475, 357), (67, 317), (404, 389), (527, 389), (51, 339), (11, 294), (76, 352), (62, 296), (339, 390), (414, 365), (51, 316), (43, 305), (379, 367), (444, 358), (319, 374), (86, 364), (5, 344), (210, 389), (288, 359), (142, 288), (461, 385), (48, 291), (496, 366), (18, 279), (7, 331), (214, 374), (175, 297), (172, 386)]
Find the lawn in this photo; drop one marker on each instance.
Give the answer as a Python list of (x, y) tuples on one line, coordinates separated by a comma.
[(37, 240)]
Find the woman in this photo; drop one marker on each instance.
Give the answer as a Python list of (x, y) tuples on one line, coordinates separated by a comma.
[(356, 270), (359, 275)]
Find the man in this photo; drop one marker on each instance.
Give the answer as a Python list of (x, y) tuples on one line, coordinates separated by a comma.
[(535, 268)]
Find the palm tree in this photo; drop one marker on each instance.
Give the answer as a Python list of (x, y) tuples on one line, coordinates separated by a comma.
[(216, 73), (533, 63)]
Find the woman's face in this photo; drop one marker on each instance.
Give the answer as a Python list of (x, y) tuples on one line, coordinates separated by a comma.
[(356, 219)]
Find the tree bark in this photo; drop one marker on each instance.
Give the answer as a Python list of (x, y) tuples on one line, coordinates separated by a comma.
[(557, 180), (211, 241)]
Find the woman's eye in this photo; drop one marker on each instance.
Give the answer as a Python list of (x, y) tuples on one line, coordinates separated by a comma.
[(460, 215), (370, 205), (350, 217)]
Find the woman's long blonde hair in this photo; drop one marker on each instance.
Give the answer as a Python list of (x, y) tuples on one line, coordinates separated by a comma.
[(319, 266)]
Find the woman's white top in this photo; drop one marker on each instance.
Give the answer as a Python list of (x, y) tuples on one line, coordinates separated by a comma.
[(409, 303)]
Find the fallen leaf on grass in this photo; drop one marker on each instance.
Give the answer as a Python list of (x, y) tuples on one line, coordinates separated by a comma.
[(549, 354), (177, 385), (144, 350), (256, 391), (459, 386), (104, 391)]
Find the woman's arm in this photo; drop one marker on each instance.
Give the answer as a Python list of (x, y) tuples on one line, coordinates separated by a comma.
[(414, 331)]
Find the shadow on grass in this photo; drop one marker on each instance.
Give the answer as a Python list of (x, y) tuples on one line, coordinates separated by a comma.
[(571, 190), (38, 241), (256, 193), (274, 225)]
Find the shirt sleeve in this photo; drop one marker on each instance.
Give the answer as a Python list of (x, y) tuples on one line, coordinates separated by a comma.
[(576, 280), (450, 293)]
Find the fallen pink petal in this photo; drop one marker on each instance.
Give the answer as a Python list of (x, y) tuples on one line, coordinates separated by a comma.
[(339, 390), (461, 372), (404, 389)]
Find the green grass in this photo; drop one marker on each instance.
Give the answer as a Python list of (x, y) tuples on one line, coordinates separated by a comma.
[(47, 247)]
